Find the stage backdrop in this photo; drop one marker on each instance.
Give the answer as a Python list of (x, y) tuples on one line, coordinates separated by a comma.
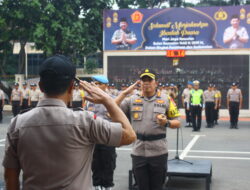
[(178, 28)]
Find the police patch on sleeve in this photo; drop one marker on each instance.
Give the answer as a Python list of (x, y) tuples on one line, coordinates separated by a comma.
[(172, 110)]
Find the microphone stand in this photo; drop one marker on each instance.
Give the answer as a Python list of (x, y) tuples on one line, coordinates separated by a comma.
[(177, 157)]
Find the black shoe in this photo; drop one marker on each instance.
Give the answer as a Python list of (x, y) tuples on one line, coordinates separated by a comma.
[(231, 126), (236, 126), (194, 130), (216, 123)]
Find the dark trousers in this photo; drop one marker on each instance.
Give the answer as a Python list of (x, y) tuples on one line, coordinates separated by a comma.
[(76, 104), (210, 112), (196, 117), (25, 104), (216, 114), (33, 104), (1, 111), (15, 107), (150, 172), (188, 113), (234, 112), (103, 166)]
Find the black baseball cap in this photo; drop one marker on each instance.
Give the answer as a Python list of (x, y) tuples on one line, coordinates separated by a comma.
[(57, 67)]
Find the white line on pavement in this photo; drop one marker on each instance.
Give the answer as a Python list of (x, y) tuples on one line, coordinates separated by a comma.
[(218, 157), (2, 140), (189, 146), (219, 152)]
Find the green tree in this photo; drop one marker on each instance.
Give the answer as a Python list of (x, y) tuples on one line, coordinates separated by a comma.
[(20, 17), (91, 64)]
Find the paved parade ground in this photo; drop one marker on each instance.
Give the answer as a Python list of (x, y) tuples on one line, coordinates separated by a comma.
[(227, 149)]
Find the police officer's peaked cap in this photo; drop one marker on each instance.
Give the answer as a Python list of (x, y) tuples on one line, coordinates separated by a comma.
[(167, 85), (210, 85), (100, 78), (34, 84), (57, 67), (172, 85), (214, 85), (148, 73), (234, 84), (76, 84), (24, 83), (196, 82), (16, 84), (160, 84)]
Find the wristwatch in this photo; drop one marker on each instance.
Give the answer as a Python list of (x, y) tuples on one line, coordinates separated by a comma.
[(167, 124)]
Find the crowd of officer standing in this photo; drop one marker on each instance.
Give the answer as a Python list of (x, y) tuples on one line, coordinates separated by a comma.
[(195, 100)]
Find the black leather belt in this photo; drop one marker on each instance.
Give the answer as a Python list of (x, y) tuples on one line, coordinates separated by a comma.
[(150, 137)]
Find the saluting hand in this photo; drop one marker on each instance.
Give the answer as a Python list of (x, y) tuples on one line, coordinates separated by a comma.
[(95, 94), (130, 89)]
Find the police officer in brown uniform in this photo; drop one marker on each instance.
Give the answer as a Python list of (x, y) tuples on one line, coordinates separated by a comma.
[(186, 103), (34, 96), (77, 99), (210, 100), (16, 99), (26, 94), (104, 157), (151, 114), (234, 104), (53, 145)]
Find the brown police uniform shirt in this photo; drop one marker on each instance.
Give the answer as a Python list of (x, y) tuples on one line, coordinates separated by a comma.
[(16, 95), (26, 93), (209, 96), (142, 113), (76, 95), (53, 145), (234, 95), (34, 95)]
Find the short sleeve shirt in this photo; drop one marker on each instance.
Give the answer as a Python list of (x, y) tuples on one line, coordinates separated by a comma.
[(26, 93), (77, 95), (235, 43), (142, 113), (1, 94), (16, 95), (186, 95), (53, 145), (234, 95), (34, 95)]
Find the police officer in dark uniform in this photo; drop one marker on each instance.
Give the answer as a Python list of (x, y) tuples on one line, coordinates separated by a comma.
[(151, 113), (16, 99), (234, 104), (104, 157)]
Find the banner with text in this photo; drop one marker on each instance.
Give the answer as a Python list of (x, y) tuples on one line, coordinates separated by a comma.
[(177, 28)]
